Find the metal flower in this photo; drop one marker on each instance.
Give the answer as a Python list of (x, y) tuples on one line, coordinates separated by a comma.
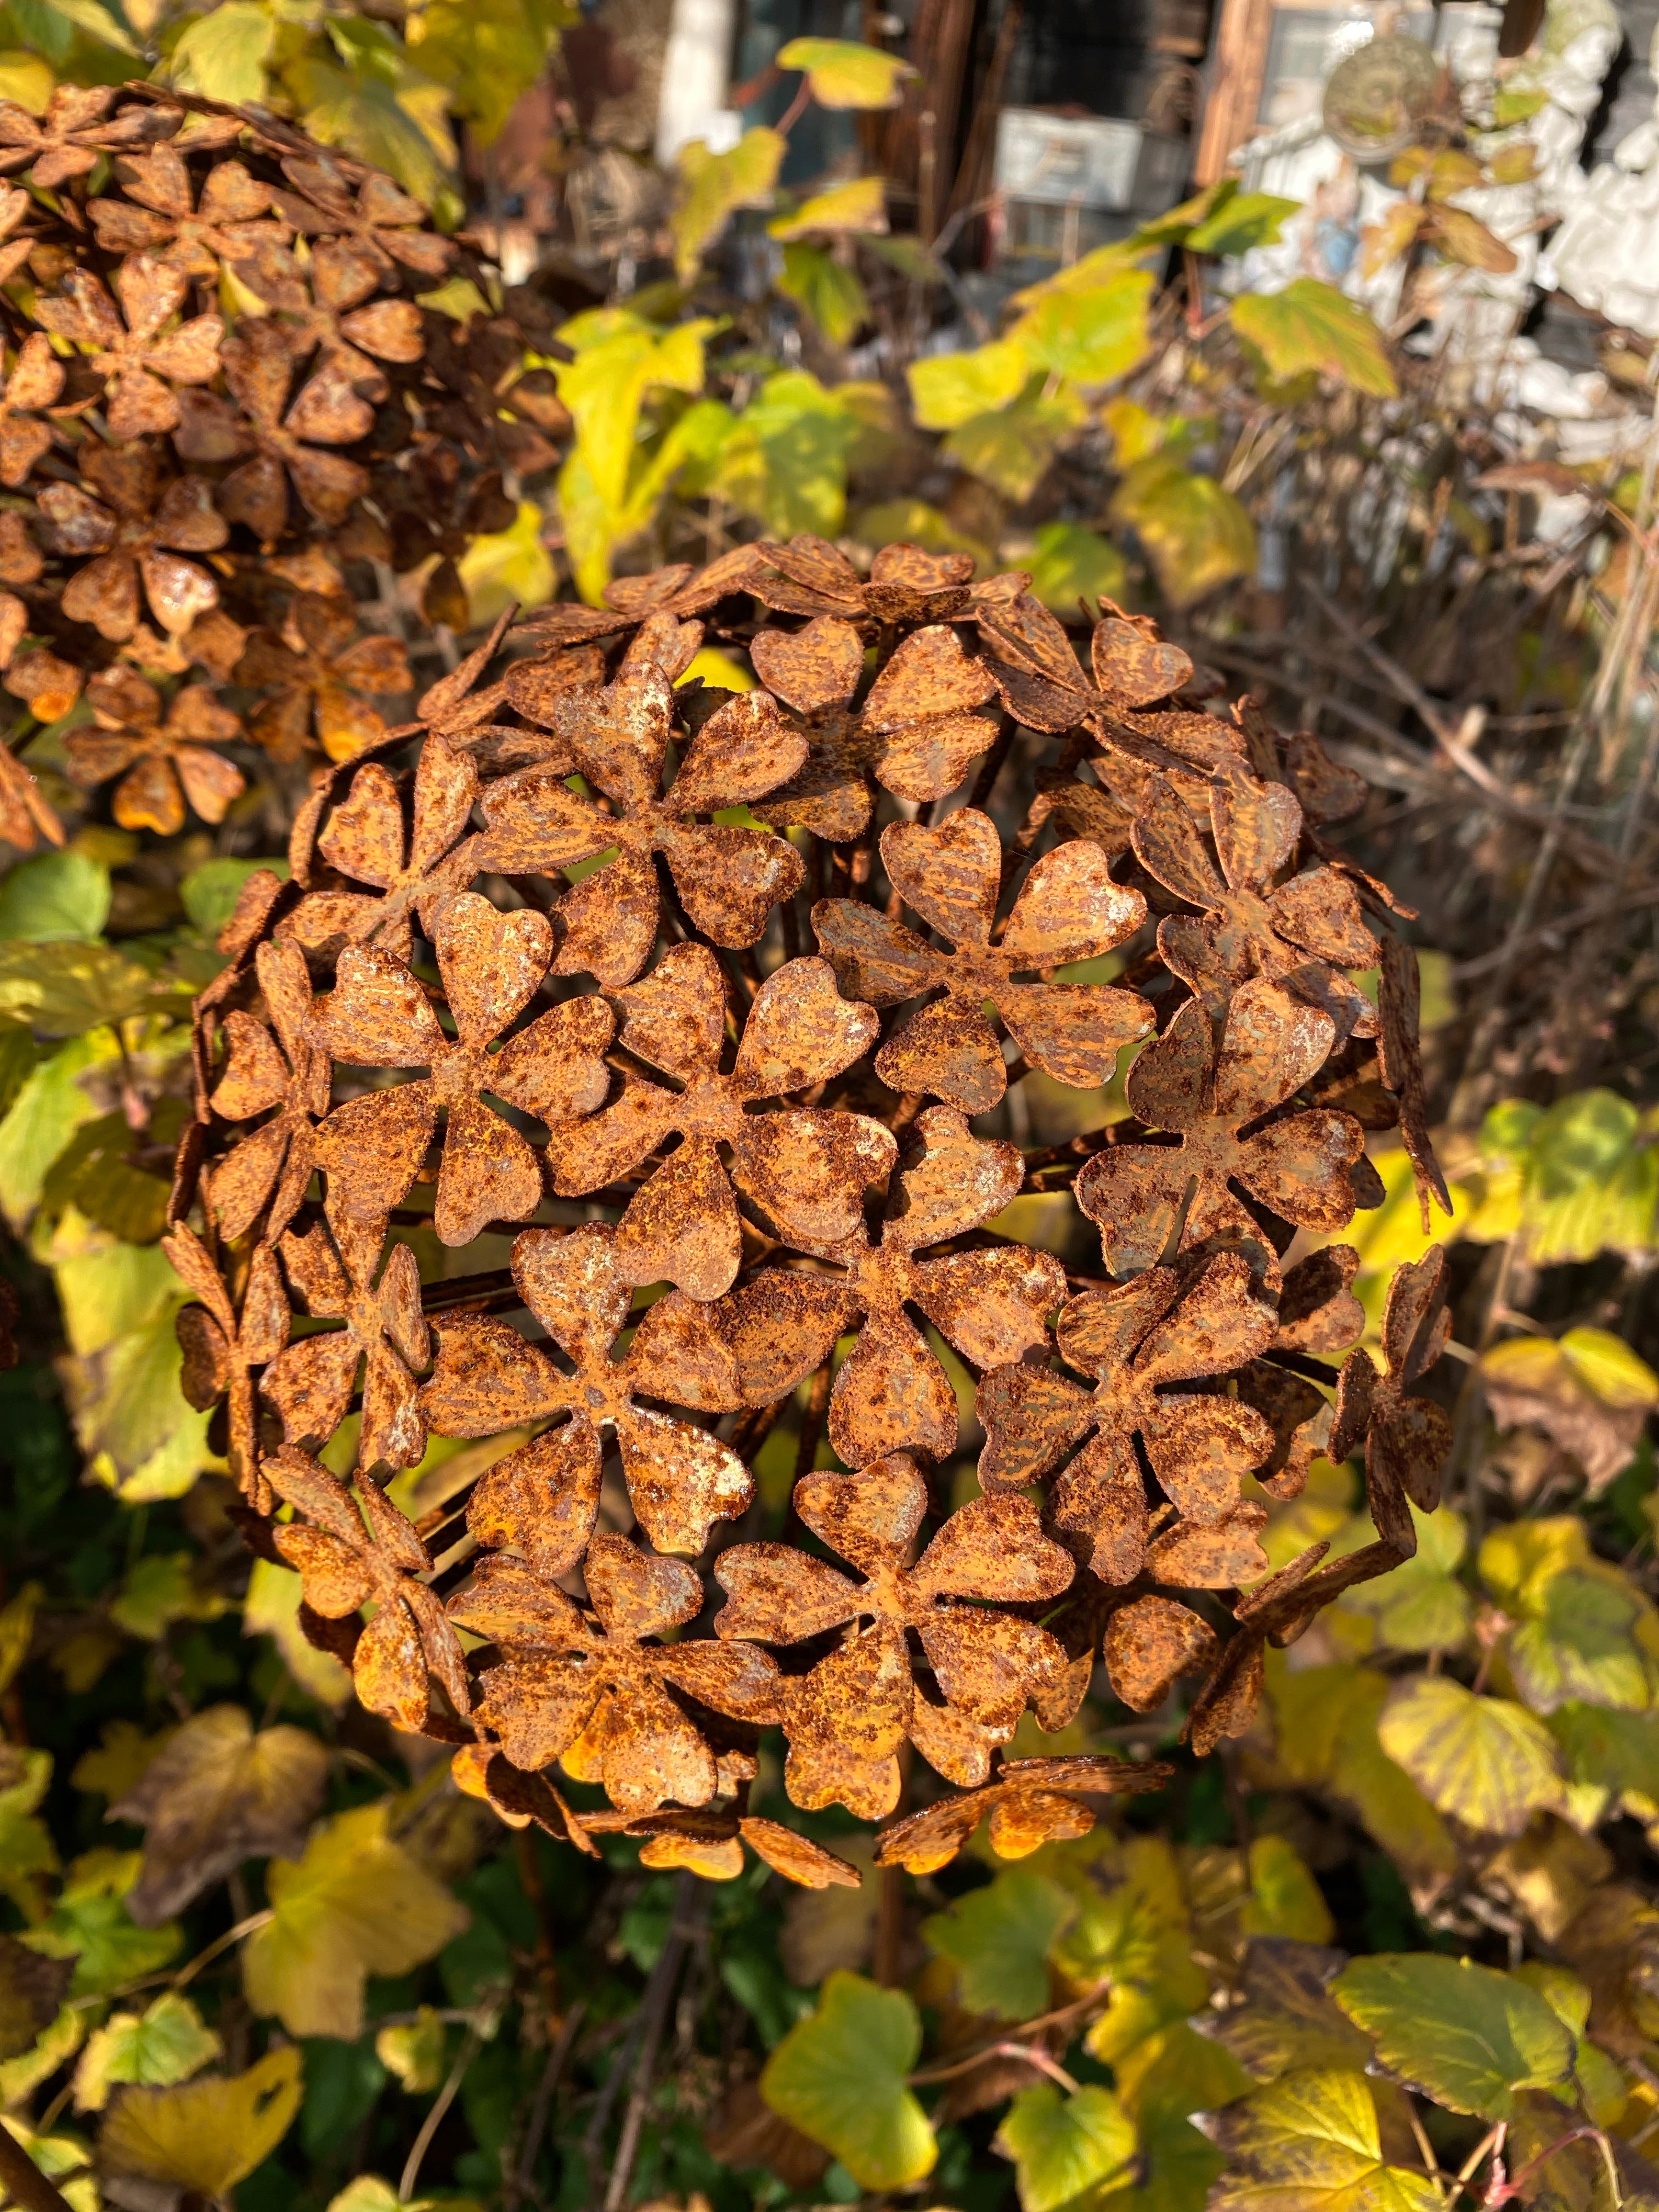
[(568, 1672), (159, 214), (48, 686), (1299, 1167), (1406, 1436), (35, 382), (1137, 1338), (803, 1168), (677, 591), (143, 360), (847, 1716), (1032, 1801), (382, 229), (135, 529), (711, 1844), (1043, 686), (1069, 908), (286, 1071), (727, 878), (321, 675), (916, 731), (161, 764), (24, 817), (492, 965), (354, 1547), (330, 307), (286, 441), (907, 586), (890, 1393), (1303, 931), (542, 1499), (66, 141), (222, 1351), (414, 865), (332, 1268)]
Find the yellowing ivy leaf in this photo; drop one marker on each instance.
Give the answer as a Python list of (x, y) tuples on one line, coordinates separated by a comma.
[(947, 389), (1063, 2145), (1466, 2037), (1589, 1173), (58, 895), (1485, 1761), (786, 460), (843, 74), (1196, 535), (167, 2043), (1240, 223), (1310, 2143), (1574, 1638), (1010, 447), (60, 989), (1132, 1934), (355, 1904), (486, 54), (1325, 1736), (1069, 562), (1588, 1392), (1000, 1938), (414, 2052), (506, 566), (1420, 1606), (1310, 325), (1090, 337), (207, 2134), (91, 1924), (859, 205), (713, 186), (223, 54), (839, 2076), (825, 290)]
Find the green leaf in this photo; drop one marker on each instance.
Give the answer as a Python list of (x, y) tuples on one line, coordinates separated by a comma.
[(1132, 1933), (1420, 1606), (1090, 337), (63, 989), (605, 385), (948, 389), (356, 1904), (1466, 2037), (859, 205), (713, 186), (224, 55), (839, 2077), (786, 460), (1485, 1761), (1072, 564), (62, 2158), (824, 290), (842, 74), (1589, 1174), (59, 895), (1310, 2143), (912, 522), (501, 567), (1010, 448), (1000, 1938), (90, 1923), (1285, 1898), (160, 1589), (1196, 535), (210, 891), (27, 1850), (1161, 2084), (50, 27), (94, 1174), (130, 1415), (391, 126), (486, 54), (19, 1057), (167, 2043), (207, 2136), (1310, 325), (1061, 2146), (414, 2052), (1241, 222)]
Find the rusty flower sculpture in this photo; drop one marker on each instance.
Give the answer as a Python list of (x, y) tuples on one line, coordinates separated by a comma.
[(531, 971)]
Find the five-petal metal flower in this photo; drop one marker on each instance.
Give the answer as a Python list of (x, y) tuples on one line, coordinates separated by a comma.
[(803, 1168), (285, 1071), (1299, 1166), (567, 1673), (414, 865), (222, 1351), (1137, 1338), (1068, 910), (1303, 931), (320, 676), (332, 1269), (728, 877), (78, 127), (492, 965), (847, 1716), (381, 228), (542, 1499), (891, 1392), (143, 361), (915, 733), (905, 588), (677, 591), (286, 440), (1031, 1802), (36, 381), (352, 1548), (329, 308), (161, 764), (136, 529)]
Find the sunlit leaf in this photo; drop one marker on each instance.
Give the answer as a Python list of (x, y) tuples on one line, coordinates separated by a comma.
[(1063, 2145), (843, 74), (1484, 1760), (1089, 337), (207, 2135), (839, 2076), (167, 2043), (713, 186), (947, 389), (1310, 2143), (860, 204), (1242, 222), (1000, 1938), (1466, 2037), (1070, 562), (57, 896), (513, 565), (1011, 447), (1310, 325), (825, 290), (223, 54), (1197, 535)]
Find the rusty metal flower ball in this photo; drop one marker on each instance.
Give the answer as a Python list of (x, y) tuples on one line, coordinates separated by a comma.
[(609, 1081)]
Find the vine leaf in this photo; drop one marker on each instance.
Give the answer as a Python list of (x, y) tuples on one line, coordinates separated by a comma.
[(1469, 2038), (839, 2076)]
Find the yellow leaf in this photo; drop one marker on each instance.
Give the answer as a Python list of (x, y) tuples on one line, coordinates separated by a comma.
[(206, 2136), (1196, 535), (507, 565), (1310, 325), (1384, 241), (948, 389), (843, 74), (1310, 2144), (713, 186), (1485, 1761), (356, 1904), (1090, 337), (859, 205), (718, 670)]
